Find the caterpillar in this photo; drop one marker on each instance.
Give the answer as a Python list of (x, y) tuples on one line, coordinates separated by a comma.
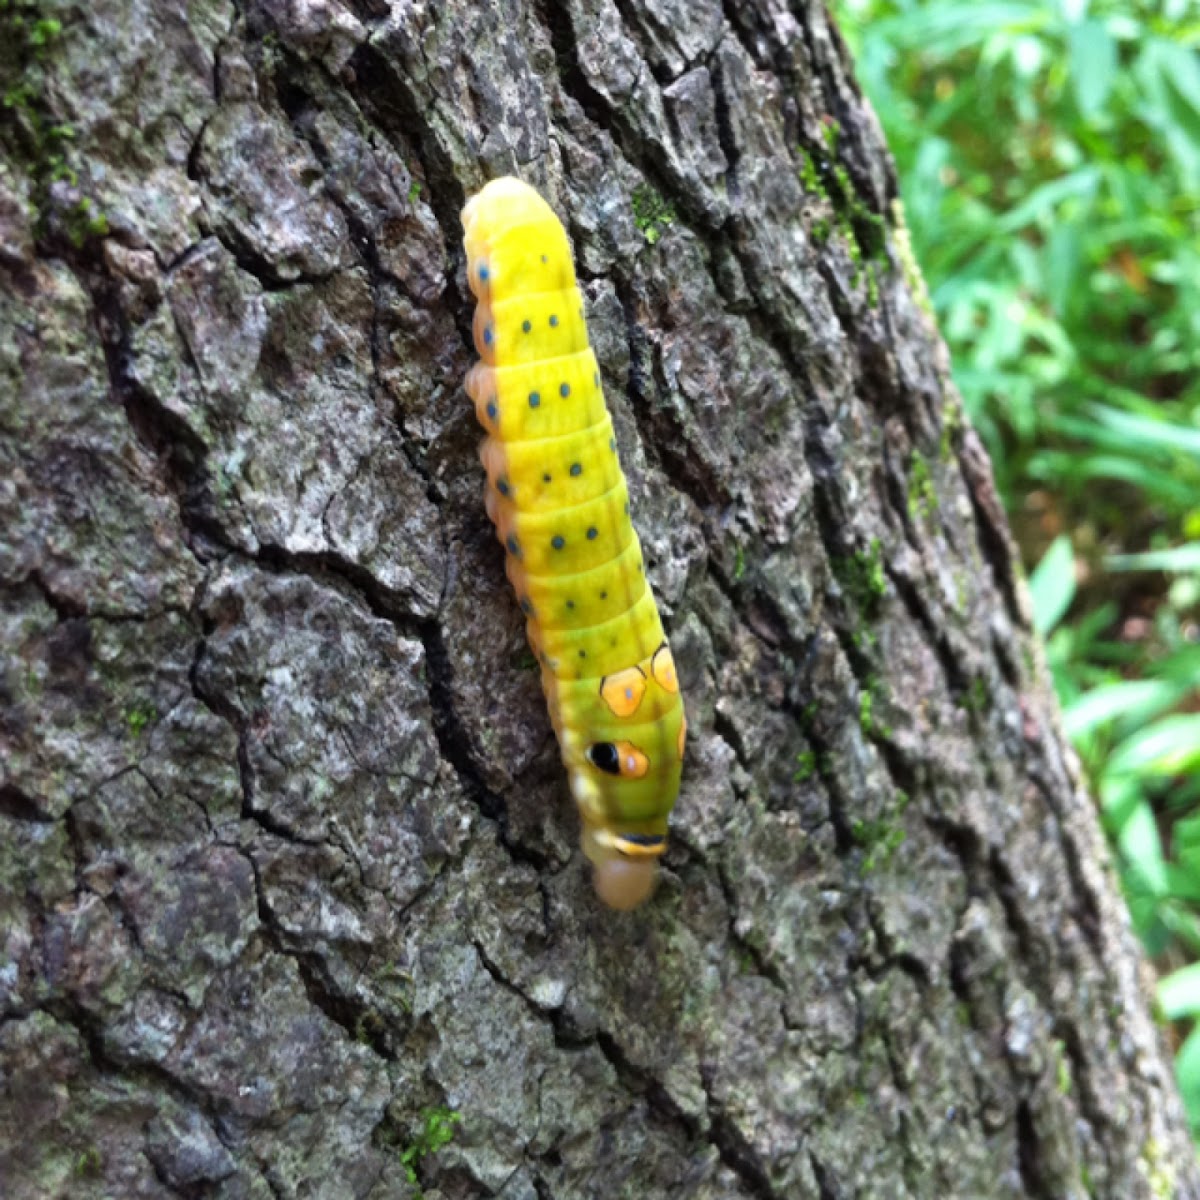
[(560, 504)]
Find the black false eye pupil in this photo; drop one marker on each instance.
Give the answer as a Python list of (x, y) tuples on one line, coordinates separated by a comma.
[(604, 756)]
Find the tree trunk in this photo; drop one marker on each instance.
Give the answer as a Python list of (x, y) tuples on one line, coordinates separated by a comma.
[(291, 899)]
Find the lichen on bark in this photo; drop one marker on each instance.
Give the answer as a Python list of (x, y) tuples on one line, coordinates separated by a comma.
[(287, 869)]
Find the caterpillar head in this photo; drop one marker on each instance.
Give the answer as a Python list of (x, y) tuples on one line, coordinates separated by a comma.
[(625, 865), (620, 793), (624, 855)]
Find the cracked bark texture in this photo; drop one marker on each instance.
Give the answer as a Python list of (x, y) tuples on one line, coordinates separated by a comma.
[(287, 860)]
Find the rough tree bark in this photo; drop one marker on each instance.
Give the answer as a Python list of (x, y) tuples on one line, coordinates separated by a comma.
[(288, 870)]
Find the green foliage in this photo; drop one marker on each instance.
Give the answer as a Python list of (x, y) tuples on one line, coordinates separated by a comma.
[(437, 1130), (1049, 159), (90, 1163), (138, 717), (1052, 585), (23, 44), (865, 703), (862, 229), (1062, 1068), (806, 766), (881, 838), (863, 576), (651, 213), (28, 131), (922, 495)]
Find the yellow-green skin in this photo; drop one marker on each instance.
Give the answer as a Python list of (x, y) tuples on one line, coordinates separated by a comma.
[(557, 496)]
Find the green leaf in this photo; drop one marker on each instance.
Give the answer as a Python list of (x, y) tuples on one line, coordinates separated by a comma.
[(1130, 821), (1179, 992), (1063, 256), (1042, 201), (1153, 434), (1168, 747), (1093, 65), (1110, 701), (1177, 558), (1187, 1072), (1052, 584), (1141, 846)]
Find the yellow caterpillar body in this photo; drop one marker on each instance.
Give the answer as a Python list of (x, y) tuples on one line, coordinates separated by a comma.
[(559, 501)]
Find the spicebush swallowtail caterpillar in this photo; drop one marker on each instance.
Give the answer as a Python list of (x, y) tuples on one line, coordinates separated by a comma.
[(559, 501)]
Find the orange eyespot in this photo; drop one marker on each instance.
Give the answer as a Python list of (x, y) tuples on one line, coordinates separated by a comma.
[(623, 691), (634, 764), (682, 735), (623, 759), (662, 666)]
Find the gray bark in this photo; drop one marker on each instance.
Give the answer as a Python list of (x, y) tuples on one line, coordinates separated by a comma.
[(288, 872)]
